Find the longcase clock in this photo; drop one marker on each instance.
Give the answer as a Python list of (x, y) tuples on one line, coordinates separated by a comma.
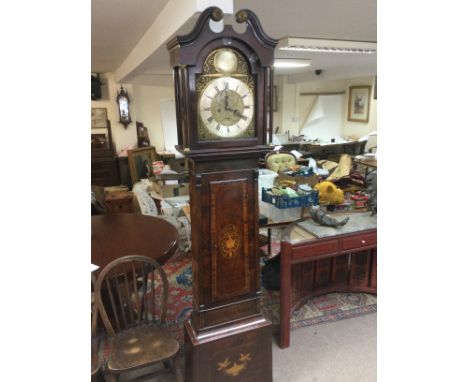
[(223, 87)]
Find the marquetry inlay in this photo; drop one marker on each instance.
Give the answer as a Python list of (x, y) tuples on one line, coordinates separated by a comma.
[(229, 241), (235, 367)]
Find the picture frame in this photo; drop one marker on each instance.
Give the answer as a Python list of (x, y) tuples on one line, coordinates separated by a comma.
[(98, 117), (140, 162), (142, 135), (359, 103)]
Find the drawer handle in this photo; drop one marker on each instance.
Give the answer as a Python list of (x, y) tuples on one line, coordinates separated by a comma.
[(363, 241)]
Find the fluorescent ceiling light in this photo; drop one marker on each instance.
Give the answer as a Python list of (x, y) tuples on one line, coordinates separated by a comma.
[(327, 46), (291, 64)]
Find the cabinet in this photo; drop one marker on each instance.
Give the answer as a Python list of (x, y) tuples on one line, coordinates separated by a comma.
[(104, 170)]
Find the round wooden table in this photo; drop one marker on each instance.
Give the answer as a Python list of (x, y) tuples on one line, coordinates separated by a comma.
[(121, 234)]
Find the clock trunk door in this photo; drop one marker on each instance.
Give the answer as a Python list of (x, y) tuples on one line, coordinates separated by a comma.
[(228, 199)]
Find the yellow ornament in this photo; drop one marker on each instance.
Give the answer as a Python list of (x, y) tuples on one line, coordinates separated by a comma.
[(329, 193)]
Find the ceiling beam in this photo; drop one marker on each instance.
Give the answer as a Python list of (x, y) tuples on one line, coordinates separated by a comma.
[(176, 16)]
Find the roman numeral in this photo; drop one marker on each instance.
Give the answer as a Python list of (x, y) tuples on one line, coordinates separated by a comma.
[(216, 88), (207, 109), (239, 127), (226, 86), (246, 106), (244, 117), (237, 88), (228, 129), (218, 127), (210, 119), (245, 95)]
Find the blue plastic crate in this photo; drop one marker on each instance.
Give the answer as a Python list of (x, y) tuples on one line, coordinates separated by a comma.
[(285, 201)]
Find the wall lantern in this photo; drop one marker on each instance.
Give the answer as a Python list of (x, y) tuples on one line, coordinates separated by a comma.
[(124, 107)]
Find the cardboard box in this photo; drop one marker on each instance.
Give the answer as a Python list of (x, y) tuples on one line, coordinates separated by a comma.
[(311, 180), (171, 190)]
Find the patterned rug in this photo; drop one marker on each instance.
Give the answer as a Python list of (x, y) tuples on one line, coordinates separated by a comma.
[(327, 308)]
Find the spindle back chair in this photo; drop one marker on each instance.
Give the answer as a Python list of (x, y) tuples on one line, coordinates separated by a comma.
[(131, 296)]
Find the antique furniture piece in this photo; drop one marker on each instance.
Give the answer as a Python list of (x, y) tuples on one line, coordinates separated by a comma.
[(96, 374), (370, 165), (104, 170), (316, 260), (279, 161), (142, 135), (223, 87), (121, 201), (124, 107), (131, 296), (140, 162), (117, 235), (331, 151)]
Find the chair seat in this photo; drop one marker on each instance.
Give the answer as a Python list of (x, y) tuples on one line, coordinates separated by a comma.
[(141, 346)]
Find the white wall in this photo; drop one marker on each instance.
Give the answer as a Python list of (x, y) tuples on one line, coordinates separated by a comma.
[(144, 107), (148, 110), (295, 108), (325, 119)]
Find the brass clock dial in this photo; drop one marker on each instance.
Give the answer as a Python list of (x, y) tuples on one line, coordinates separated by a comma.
[(226, 107)]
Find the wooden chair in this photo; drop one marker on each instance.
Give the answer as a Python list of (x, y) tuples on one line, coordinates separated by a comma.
[(96, 374), (279, 161), (129, 291)]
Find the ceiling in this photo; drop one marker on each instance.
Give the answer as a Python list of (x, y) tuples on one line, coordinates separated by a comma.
[(118, 25)]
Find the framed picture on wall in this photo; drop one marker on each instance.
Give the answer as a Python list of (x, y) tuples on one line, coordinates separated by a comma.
[(98, 117), (142, 135), (358, 103), (140, 162)]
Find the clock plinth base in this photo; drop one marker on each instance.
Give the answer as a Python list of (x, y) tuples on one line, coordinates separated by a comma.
[(238, 351)]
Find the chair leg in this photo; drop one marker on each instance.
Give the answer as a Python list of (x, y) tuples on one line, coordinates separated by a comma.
[(112, 377), (99, 377), (168, 365)]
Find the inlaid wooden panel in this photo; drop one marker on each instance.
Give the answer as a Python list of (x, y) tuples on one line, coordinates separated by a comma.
[(229, 235)]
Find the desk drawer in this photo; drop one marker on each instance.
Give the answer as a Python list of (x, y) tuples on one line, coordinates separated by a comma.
[(311, 250), (359, 241)]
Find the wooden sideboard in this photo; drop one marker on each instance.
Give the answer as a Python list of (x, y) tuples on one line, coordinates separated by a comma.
[(320, 260), (104, 171), (331, 151)]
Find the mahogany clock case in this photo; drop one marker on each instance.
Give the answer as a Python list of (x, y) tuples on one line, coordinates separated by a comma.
[(227, 337), (188, 54)]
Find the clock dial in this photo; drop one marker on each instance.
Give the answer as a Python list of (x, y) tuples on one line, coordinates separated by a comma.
[(226, 107)]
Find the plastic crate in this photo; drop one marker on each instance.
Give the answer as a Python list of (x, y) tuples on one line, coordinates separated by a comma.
[(284, 201)]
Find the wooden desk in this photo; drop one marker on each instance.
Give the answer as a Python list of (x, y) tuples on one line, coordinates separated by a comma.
[(322, 260), (117, 235), (370, 165)]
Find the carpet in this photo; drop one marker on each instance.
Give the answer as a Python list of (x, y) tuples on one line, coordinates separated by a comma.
[(321, 309)]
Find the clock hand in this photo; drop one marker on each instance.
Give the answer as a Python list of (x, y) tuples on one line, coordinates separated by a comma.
[(226, 102)]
